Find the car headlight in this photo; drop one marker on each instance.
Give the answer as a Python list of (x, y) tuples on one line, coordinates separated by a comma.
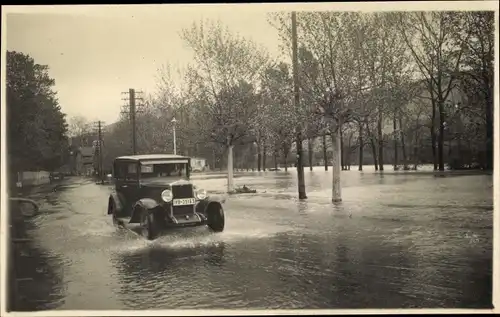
[(201, 194), (166, 195)]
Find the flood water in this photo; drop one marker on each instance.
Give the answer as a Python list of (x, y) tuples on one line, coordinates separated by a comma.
[(395, 241)]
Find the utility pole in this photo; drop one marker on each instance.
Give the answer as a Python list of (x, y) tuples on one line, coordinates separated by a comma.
[(131, 93), (300, 166), (132, 108), (98, 150)]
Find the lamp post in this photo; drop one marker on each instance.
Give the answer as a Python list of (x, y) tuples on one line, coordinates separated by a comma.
[(173, 127)]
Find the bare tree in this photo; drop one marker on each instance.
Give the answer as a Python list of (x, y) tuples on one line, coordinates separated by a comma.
[(325, 35), (79, 127), (478, 69), (429, 36), (224, 77), (278, 118)]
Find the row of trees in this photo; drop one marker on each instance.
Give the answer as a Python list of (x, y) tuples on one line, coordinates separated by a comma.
[(36, 130), (419, 83)]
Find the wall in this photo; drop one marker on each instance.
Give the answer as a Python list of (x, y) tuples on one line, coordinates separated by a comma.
[(34, 178)]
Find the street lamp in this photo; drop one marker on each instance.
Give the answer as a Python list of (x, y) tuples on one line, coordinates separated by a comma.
[(173, 127)]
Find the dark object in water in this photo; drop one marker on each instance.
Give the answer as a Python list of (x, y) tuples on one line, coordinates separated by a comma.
[(243, 190)]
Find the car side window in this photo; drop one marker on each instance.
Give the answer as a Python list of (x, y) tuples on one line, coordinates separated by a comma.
[(119, 171), (132, 171)]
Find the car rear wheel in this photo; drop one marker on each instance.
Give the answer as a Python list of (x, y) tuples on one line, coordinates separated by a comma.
[(112, 207), (149, 227), (215, 218)]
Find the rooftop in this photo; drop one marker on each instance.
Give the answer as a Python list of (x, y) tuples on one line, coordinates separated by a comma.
[(145, 157)]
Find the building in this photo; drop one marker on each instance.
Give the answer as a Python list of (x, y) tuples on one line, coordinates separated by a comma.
[(198, 164), (82, 148), (84, 160)]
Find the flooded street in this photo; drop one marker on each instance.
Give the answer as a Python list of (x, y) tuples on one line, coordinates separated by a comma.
[(396, 241)]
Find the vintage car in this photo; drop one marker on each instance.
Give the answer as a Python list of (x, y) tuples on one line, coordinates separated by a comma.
[(56, 176), (155, 191)]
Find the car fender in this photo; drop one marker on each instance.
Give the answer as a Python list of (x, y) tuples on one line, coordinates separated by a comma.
[(116, 197), (203, 205), (218, 198), (147, 203)]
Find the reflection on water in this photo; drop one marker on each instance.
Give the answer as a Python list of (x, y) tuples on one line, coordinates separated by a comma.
[(394, 241), (169, 273), (40, 284), (36, 282)]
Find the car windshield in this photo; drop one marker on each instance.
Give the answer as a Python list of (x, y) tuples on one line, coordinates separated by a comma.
[(163, 170)]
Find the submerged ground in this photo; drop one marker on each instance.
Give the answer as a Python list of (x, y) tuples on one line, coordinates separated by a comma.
[(395, 241)]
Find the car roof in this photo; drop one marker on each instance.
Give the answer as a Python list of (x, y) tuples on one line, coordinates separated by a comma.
[(147, 157)]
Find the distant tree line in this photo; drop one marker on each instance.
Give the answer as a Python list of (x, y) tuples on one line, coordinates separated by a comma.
[(36, 127), (404, 88)]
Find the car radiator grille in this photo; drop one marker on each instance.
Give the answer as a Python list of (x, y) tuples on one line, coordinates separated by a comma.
[(182, 191), (183, 210)]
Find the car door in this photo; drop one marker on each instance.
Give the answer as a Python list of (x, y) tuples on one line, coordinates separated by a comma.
[(131, 183), (126, 183)]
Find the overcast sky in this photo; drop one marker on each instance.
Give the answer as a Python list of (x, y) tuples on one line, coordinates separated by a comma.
[(95, 53), (93, 57)]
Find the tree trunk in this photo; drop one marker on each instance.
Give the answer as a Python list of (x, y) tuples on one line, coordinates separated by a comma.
[(433, 134), (275, 160), (264, 155), (336, 165), (341, 135), (285, 162), (374, 151), (414, 148), (310, 153), (380, 142), (415, 154), (459, 146), (450, 144), (489, 131), (469, 152), (301, 185), (361, 147), (213, 160), (395, 130), (403, 145), (259, 157), (230, 184), (349, 151), (441, 136), (325, 154)]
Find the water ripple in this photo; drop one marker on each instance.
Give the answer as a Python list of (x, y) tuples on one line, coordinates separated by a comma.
[(395, 241)]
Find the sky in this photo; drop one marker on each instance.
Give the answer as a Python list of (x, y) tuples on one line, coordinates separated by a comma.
[(95, 53), (94, 56)]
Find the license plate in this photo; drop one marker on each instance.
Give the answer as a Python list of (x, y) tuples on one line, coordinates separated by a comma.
[(184, 201)]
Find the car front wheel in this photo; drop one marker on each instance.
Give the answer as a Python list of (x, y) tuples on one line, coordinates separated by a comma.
[(215, 218), (149, 227)]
